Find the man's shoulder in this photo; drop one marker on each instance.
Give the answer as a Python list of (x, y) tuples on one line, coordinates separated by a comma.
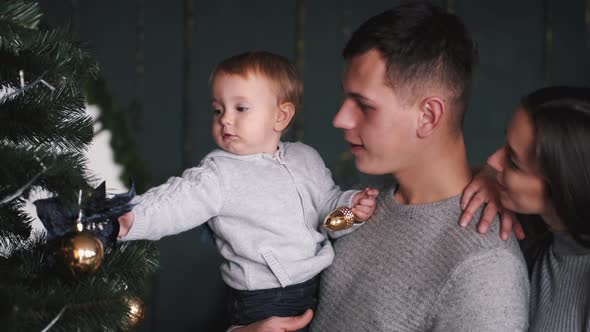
[(461, 244), (469, 236)]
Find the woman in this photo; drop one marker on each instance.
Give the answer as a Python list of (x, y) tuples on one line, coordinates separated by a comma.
[(544, 171)]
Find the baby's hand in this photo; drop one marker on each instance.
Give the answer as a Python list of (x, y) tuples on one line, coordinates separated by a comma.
[(364, 203), (125, 223)]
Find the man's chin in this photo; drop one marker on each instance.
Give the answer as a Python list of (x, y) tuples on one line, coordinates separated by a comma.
[(366, 167)]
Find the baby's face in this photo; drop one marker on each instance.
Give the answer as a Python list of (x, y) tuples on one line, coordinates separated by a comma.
[(245, 111)]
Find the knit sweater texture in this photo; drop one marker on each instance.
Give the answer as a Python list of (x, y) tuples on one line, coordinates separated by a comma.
[(560, 287), (264, 210), (413, 268)]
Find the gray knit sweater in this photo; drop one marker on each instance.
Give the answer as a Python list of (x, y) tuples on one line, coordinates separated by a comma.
[(263, 209), (412, 268), (560, 287)]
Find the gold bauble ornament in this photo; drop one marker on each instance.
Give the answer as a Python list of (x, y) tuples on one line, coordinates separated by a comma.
[(82, 252), (136, 312), (339, 219)]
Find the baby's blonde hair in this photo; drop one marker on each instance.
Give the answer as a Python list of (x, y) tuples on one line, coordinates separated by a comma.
[(278, 69)]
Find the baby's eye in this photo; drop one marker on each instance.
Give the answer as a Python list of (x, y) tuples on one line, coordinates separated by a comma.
[(241, 109), (217, 112)]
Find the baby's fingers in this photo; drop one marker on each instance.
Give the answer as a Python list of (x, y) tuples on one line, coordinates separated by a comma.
[(362, 213), (372, 192), (368, 202)]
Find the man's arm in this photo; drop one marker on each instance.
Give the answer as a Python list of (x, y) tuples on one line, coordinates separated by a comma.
[(486, 292)]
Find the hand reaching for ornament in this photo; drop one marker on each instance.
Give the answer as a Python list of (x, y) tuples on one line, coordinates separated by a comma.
[(125, 223), (364, 203)]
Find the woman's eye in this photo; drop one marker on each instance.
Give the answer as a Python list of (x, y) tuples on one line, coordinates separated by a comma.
[(511, 163), (241, 109)]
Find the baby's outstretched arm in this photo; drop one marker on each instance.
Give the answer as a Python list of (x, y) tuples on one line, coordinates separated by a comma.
[(179, 204), (364, 203)]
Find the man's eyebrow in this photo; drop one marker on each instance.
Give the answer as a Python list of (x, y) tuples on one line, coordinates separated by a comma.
[(358, 96)]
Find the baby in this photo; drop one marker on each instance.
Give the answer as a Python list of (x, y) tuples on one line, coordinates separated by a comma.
[(264, 199)]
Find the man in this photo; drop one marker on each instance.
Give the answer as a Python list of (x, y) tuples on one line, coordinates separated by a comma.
[(411, 268)]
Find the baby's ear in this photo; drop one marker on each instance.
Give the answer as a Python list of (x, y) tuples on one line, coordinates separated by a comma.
[(284, 116)]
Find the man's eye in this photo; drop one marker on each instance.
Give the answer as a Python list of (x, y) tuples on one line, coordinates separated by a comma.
[(364, 107), (241, 109)]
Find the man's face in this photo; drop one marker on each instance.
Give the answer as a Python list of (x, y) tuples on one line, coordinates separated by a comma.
[(379, 125)]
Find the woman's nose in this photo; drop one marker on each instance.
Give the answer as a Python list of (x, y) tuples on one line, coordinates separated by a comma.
[(496, 160)]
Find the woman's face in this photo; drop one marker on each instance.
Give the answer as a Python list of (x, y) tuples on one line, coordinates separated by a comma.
[(522, 188)]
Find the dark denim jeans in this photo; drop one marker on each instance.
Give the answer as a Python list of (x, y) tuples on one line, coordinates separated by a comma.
[(247, 307)]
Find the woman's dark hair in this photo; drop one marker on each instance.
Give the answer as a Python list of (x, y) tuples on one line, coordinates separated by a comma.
[(561, 118)]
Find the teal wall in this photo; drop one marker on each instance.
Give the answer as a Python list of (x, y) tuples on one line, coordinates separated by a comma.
[(516, 56)]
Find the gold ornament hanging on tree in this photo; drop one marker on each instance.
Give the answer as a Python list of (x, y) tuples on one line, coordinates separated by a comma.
[(339, 219), (82, 252), (136, 312)]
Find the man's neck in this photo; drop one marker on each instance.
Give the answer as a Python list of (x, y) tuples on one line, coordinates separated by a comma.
[(442, 171)]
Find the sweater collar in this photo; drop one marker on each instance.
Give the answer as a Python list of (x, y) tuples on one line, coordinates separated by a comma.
[(278, 155), (411, 209)]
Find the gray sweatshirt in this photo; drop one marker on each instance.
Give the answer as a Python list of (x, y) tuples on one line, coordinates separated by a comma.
[(264, 210), (412, 268)]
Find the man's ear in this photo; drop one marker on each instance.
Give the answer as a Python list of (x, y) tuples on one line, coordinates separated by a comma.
[(284, 116), (432, 110)]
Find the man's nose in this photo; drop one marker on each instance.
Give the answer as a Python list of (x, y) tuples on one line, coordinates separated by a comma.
[(345, 118)]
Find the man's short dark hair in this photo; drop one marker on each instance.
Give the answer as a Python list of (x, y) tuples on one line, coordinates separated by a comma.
[(423, 45)]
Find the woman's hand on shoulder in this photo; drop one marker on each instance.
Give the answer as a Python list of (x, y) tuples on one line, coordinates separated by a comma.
[(483, 189)]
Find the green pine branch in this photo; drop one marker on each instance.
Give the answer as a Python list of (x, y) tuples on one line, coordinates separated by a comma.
[(16, 225), (46, 118), (38, 290), (24, 14), (64, 174)]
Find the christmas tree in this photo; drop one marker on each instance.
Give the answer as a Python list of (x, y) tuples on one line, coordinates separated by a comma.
[(44, 132)]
